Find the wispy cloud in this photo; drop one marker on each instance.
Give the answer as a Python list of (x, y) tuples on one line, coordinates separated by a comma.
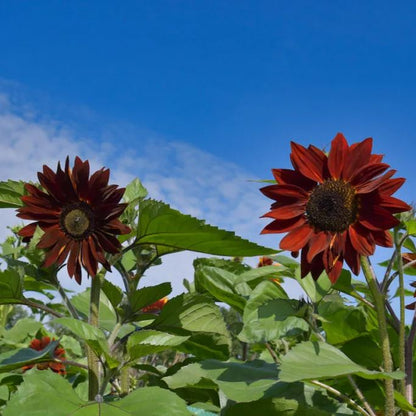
[(193, 181)]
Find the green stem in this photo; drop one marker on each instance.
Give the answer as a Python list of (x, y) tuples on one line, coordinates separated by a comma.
[(341, 396), (93, 360), (65, 298), (402, 331), (113, 335), (125, 380), (379, 303), (40, 306)]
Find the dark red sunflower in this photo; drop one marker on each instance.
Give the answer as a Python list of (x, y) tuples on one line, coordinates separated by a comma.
[(334, 207), (78, 214), (59, 353)]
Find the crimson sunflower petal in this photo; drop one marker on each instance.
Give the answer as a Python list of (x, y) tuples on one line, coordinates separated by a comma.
[(297, 238), (359, 155), (282, 226), (307, 162), (337, 155), (292, 177), (78, 214)]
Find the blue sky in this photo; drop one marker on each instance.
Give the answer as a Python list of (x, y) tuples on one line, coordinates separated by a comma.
[(226, 84)]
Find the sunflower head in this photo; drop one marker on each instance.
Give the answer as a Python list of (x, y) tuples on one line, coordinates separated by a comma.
[(78, 214), (334, 207)]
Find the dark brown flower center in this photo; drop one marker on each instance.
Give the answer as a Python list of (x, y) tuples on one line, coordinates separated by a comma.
[(77, 220), (332, 206)]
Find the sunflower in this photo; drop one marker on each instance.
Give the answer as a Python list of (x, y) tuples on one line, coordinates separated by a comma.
[(334, 207), (59, 353), (78, 214)]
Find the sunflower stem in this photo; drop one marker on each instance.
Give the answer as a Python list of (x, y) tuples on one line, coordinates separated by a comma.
[(65, 298), (402, 331), (93, 359), (379, 302)]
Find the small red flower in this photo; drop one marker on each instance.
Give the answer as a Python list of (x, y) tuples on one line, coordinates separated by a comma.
[(59, 353), (155, 307), (78, 214), (334, 207)]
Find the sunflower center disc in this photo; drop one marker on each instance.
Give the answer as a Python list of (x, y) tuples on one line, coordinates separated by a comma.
[(332, 206), (77, 220)]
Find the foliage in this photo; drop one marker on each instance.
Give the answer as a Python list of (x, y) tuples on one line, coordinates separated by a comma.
[(234, 344)]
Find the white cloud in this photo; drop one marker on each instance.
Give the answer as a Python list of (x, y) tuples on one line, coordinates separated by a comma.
[(189, 179)]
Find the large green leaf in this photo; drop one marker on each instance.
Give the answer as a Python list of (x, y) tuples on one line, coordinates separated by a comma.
[(146, 342), (220, 284), (161, 225), (315, 360), (202, 319), (269, 315), (48, 394), (21, 333), (341, 323), (10, 193), (292, 405), (240, 381)]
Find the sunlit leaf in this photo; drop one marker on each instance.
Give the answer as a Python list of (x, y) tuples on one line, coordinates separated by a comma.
[(311, 360), (10, 193), (162, 225), (146, 342), (48, 394)]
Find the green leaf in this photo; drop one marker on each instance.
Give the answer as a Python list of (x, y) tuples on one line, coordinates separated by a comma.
[(12, 360), (403, 403), (48, 394), (161, 225), (93, 336), (135, 191), (220, 284), (10, 193), (315, 289), (261, 273), (202, 318), (147, 295), (114, 293), (145, 342), (317, 360), (364, 351), (270, 315), (341, 323), (107, 314), (240, 381), (24, 330), (10, 287), (411, 226)]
